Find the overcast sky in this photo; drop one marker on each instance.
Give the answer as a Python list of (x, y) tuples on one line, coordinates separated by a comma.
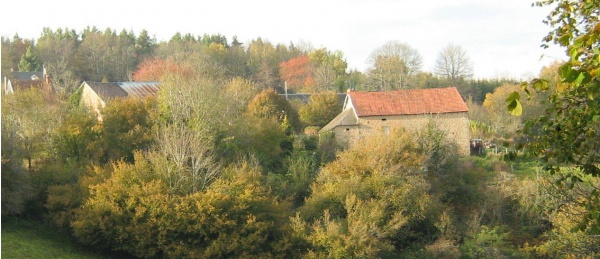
[(501, 37)]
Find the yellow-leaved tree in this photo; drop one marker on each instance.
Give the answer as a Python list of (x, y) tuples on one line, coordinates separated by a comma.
[(366, 203)]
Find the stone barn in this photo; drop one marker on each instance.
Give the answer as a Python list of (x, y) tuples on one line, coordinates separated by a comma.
[(367, 113)]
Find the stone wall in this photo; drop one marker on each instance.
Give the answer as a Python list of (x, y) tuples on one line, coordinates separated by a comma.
[(90, 99), (345, 135), (454, 125)]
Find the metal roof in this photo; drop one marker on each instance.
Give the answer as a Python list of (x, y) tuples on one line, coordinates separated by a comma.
[(139, 89)]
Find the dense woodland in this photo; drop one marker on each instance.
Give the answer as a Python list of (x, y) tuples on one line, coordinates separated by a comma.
[(219, 165)]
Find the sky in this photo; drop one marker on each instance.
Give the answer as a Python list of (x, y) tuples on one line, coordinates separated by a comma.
[(501, 37)]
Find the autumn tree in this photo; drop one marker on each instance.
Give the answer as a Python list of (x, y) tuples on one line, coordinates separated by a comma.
[(133, 212), (124, 56), (106, 55), (268, 104), (126, 127), (76, 138), (16, 185), (297, 73), (255, 139), (93, 53), (363, 203), (263, 63), (58, 50), (392, 65), (152, 70), (330, 69), (184, 159), (242, 91), (320, 109), (501, 121), (34, 116), (237, 59), (29, 123), (453, 63)]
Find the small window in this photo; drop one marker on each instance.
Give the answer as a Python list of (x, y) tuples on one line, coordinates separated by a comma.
[(384, 119), (347, 129)]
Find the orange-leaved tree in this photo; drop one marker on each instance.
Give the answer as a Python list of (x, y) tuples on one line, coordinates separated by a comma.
[(298, 73), (154, 69)]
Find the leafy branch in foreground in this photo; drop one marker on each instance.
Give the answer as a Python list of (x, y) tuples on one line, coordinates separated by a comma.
[(569, 132)]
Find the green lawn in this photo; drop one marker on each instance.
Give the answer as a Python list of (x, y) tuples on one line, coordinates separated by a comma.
[(29, 239)]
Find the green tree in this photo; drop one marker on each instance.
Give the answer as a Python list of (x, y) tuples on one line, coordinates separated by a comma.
[(568, 133), (144, 45), (12, 51), (30, 62)]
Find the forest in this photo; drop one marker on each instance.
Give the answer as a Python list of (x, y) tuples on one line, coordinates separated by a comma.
[(220, 165)]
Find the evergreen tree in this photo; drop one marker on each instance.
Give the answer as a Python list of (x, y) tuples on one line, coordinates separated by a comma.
[(29, 61)]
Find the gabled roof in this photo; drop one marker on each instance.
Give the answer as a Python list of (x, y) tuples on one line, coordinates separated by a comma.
[(407, 102), (346, 118), (107, 90), (124, 89)]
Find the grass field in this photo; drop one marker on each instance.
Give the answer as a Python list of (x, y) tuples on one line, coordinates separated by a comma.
[(29, 239)]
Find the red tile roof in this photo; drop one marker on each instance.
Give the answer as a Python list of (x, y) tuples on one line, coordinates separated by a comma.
[(408, 102)]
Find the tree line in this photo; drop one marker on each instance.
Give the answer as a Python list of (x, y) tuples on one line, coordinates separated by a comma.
[(96, 55)]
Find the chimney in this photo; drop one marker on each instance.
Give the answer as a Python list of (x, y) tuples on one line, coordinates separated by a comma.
[(285, 86)]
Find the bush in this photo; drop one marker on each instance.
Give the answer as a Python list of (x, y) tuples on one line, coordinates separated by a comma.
[(236, 216), (368, 202)]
